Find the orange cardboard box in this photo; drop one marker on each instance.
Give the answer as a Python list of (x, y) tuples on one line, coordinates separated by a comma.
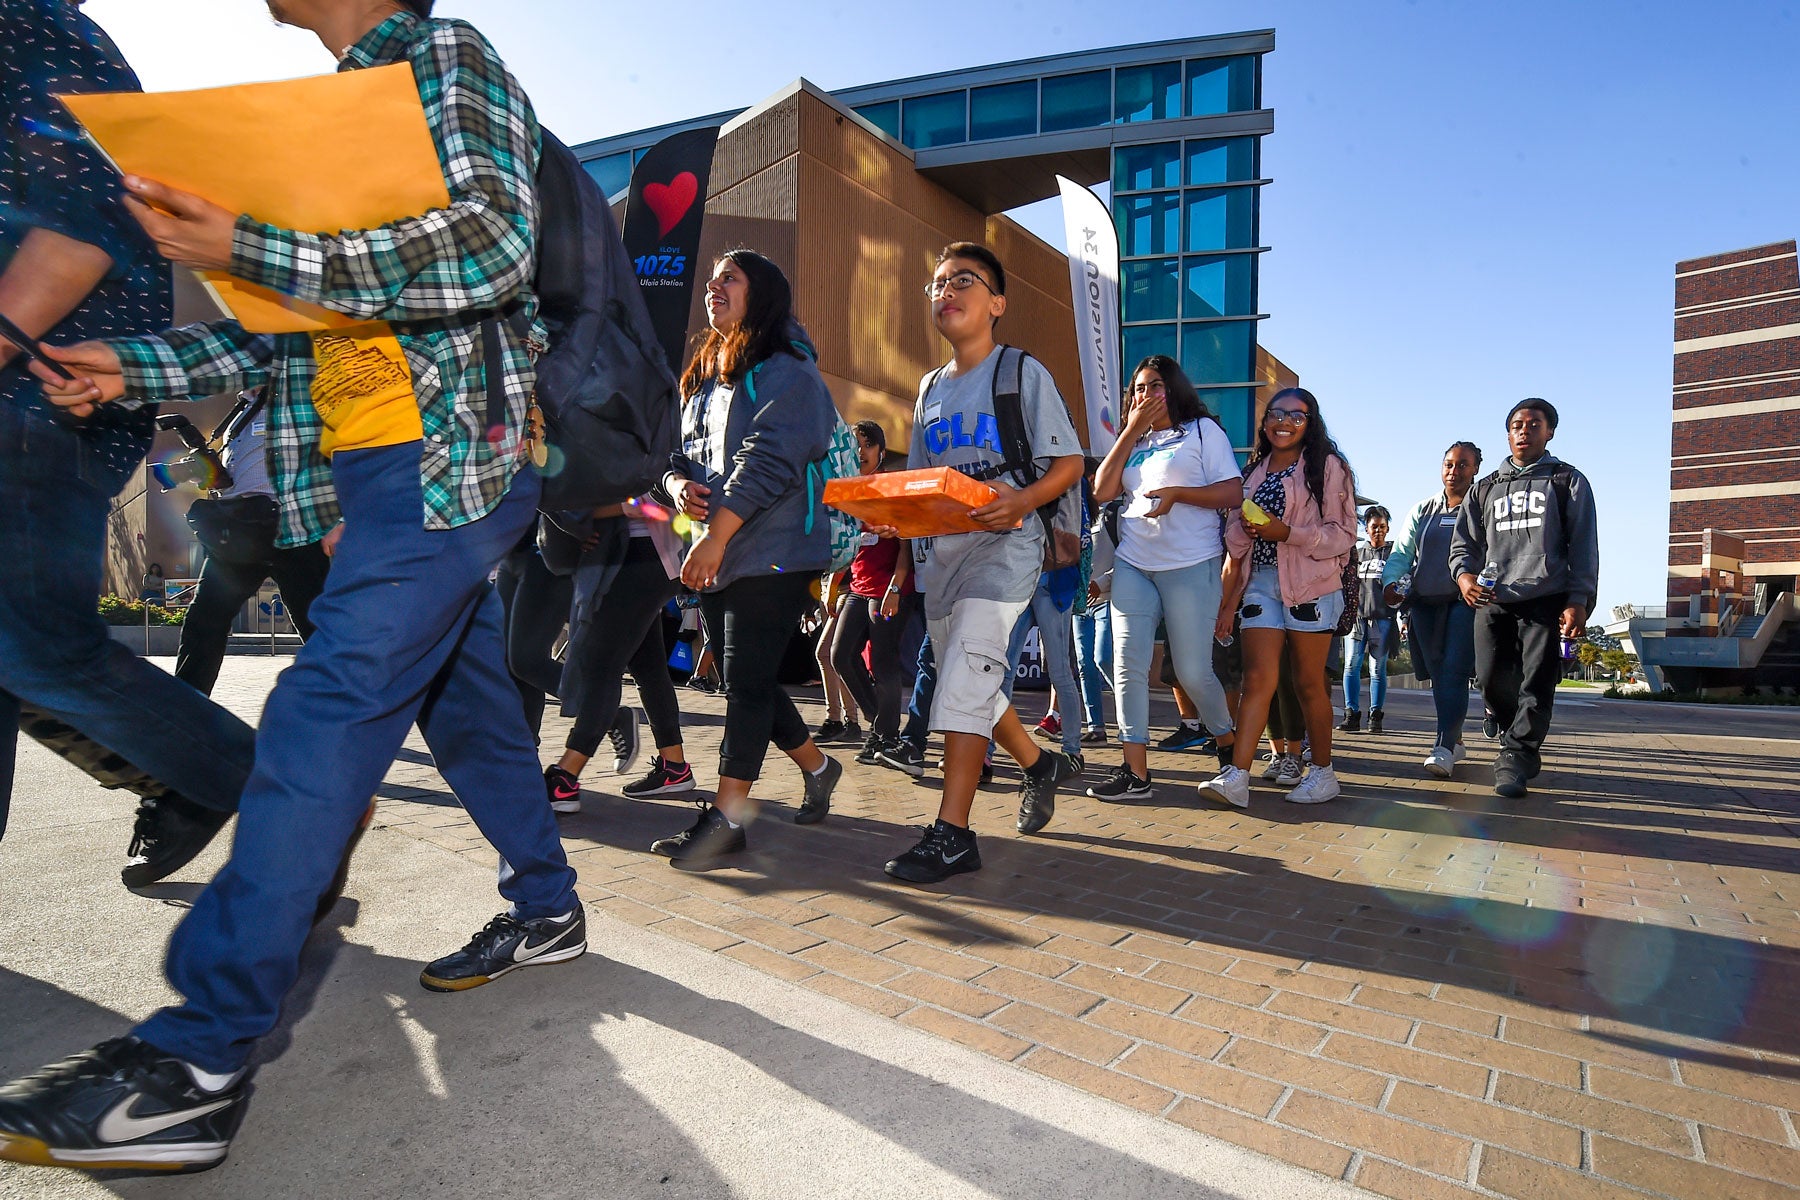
[(924, 503)]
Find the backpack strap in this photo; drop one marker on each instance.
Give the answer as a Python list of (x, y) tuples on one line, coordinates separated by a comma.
[(1009, 415), (496, 387)]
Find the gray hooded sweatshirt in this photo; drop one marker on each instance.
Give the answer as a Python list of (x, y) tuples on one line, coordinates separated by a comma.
[(754, 454), (1517, 518)]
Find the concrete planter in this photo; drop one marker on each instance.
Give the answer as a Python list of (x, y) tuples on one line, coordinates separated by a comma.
[(163, 640)]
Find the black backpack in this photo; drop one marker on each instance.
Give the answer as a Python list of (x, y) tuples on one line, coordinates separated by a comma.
[(605, 387), (1063, 517)]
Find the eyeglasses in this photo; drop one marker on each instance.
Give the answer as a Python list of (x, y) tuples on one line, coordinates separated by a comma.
[(1285, 416), (1157, 388), (962, 281)]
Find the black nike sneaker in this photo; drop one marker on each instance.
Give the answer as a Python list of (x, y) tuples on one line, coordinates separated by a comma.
[(710, 836), (945, 850), (903, 756), (1122, 784), (506, 944), (1037, 801), (817, 800), (124, 1105), (664, 779), (170, 832)]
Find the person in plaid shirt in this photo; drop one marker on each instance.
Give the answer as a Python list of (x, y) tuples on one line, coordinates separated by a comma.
[(380, 445)]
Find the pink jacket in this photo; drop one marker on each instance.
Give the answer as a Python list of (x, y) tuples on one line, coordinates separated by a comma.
[(1311, 561)]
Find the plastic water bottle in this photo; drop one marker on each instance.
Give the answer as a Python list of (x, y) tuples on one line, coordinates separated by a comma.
[(1490, 575), (1403, 586)]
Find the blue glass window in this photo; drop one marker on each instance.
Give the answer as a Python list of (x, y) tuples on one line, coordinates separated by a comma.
[(1220, 85), (612, 173), (1005, 110), (1151, 93), (1217, 286), (1220, 219), (1224, 160), (939, 120), (1139, 168), (1149, 224), (1077, 101), (884, 116), (1218, 352), (1150, 290), (1236, 409), (1141, 341)]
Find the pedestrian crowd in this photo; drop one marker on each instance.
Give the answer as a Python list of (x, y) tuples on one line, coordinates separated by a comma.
[(431, 591)]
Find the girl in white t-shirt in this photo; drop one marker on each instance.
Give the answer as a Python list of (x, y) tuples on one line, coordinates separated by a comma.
[(1174, 466)]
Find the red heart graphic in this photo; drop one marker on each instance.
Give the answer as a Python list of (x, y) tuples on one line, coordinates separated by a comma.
[(670, 201)]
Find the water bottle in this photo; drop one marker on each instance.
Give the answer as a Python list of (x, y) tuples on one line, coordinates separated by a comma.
[(1490, 575), (1403, 586)]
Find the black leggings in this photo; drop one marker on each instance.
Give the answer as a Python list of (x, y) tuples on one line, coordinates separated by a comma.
[(537, 608), (626, 631), (862, 624), (749, 623)]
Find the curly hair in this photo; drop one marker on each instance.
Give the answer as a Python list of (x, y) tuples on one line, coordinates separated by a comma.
[(1316, 445)]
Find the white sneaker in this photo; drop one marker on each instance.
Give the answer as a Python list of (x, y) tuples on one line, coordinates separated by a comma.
[(1289, 771), (1320, 785), (1231, 786), (1442, 760)]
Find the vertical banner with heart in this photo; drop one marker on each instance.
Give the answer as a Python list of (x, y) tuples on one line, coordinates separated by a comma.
[(1094, 280), (663, 214)]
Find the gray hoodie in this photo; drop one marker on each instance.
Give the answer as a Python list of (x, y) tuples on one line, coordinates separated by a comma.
[(1516, 518), (754, 456)]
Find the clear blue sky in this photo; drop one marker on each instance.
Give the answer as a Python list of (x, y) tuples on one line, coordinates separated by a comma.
[(1472, 202)]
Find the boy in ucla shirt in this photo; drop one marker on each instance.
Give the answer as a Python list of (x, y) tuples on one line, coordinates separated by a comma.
[(1533, 519), (976, 585)]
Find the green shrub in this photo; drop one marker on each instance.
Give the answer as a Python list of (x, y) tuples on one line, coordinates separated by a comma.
[(117, 610)]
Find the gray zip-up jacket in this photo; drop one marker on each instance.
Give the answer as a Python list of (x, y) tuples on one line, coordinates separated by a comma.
[(756, 464), (1543, 546)]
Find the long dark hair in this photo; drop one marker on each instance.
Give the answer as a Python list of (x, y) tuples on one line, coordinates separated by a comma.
[(768, 327), (1183, 402), (1315, 445)]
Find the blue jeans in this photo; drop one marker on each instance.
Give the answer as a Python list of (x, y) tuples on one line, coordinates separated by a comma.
[(924, 690), (1056, 650), (1443, 643), (55, 652), (1186, 601), (1094, 661), (408, 630), (1370, 638)]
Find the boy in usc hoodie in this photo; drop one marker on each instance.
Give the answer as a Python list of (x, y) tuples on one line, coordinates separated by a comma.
[(1534, 519)]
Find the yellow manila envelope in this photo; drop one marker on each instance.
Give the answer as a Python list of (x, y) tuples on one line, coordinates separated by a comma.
[(320, 155)]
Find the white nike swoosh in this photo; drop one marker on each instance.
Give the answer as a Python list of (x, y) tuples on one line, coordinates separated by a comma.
[(525, 953), (950, 858), (118, 1125)]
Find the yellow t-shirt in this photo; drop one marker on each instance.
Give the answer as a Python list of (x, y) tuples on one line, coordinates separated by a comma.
[(363, 391)]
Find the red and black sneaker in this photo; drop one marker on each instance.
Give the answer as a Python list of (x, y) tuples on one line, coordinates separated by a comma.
[(665, 779), (564, 790)]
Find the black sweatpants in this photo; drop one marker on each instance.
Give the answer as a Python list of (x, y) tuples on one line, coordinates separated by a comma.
[(1518, 654), (626, 631), (537, 607), (863, 625), (223, 589), (749, 623)]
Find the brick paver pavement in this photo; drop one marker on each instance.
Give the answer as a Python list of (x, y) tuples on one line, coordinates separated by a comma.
[(1420, 989)]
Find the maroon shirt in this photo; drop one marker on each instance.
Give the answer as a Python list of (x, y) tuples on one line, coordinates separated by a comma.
[(873, 568)]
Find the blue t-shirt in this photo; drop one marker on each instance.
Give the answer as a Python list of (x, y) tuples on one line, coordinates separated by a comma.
[(52, 178)]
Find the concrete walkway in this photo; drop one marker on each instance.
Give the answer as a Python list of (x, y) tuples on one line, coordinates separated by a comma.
[(648, 1068)]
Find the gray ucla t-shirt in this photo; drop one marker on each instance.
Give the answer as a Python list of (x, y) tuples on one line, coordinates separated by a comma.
[(954, 426)]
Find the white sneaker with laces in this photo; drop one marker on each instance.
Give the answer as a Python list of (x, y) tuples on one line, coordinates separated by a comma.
[(1320, 785), (1441, 762), (1231, 786), (1289, 771)]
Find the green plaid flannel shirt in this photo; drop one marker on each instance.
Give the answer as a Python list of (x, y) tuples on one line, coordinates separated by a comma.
[(433, 278)]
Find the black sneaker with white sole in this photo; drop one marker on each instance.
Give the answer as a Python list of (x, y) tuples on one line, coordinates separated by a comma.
[(1122, 785), (817, 801), (124, 1105), (710, 836), (903, 756), (170, 832), (506, 944), (945, 850), (872, 746), (623, 734), (665, 779)]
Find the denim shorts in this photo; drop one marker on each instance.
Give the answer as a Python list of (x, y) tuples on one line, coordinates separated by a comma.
[(1261, 607)]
